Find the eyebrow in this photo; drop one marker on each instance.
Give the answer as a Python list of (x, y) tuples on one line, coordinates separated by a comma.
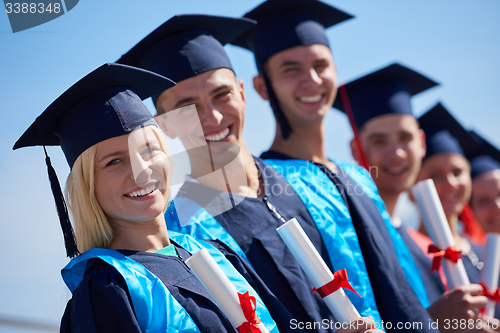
[(376, 136), (218, 89), (113, 154), (321, 60), (185, 101), (289, 63), (193, 100)]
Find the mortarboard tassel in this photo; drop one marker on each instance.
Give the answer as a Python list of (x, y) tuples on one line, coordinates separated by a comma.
[(357, 140), (62, 211), (285, 127), (283, 123)]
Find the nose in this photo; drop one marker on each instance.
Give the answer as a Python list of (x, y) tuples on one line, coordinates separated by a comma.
[(141, 170), (395, 151), (312, 78), (209, 115), (451, 181), (497, 205)]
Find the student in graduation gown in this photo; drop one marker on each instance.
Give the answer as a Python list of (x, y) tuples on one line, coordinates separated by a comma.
[(485, 173), (447, 166), (388, 139), (297, 75), (205, 78), (131, 276)]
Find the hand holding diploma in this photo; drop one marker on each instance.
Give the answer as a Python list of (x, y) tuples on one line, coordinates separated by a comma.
[(328, 285), (439, 230), (239, 308)]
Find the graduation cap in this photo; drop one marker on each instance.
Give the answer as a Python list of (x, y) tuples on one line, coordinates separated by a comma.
[(104, 104), (283, 24), (443, 133), (187, 45), (385, 91), (484, 157)]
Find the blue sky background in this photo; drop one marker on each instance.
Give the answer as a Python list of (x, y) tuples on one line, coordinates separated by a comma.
[(455, 42)]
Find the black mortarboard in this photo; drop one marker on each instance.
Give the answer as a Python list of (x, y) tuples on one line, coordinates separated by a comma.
[(104, 104), (484, 157), (386, 91), (187, 45), (443, 133), (283, 24)]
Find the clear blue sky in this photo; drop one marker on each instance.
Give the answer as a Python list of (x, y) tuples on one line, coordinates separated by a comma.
[(455, 42)]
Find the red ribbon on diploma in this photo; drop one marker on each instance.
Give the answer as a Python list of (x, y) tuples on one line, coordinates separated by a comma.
[(340, 280), (249, 305), (494, 296), (450, 253)]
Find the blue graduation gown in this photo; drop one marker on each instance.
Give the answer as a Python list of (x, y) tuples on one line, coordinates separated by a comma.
[(252, 225), (278, 311), (432, 281), (395, 298), (102, 301)]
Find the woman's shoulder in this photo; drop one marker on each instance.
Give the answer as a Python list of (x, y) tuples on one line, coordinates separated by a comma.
[(102, 282), (101, 300)]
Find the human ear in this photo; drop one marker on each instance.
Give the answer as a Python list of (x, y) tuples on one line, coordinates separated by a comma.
[(166, 126), (260, 86), (242, 90), (355, 151), (422, 141)]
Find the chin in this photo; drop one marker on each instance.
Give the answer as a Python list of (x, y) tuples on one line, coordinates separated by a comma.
[(453, 211)]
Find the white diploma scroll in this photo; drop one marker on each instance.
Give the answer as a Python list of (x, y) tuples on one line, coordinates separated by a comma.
[(491, 269), (219, 286), (438, 228), (316, 270)]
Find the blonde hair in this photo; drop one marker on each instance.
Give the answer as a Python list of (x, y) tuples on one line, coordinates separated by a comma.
[(92, 227)]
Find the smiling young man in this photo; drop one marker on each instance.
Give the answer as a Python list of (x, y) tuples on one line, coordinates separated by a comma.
[(390, 137), (224, 180), (389, 140), (298, 77)]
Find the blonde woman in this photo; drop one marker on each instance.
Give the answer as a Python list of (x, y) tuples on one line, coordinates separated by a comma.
[(131, 276)]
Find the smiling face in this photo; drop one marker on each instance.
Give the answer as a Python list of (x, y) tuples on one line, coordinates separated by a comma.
[(451, 175), (122, 196), (219, 100), (394, 147), (485, 200), (304, 80)]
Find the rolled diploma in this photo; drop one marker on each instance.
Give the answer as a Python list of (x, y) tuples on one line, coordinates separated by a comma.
[(316, 270), (491, 270), (437, 225), (220, 287)]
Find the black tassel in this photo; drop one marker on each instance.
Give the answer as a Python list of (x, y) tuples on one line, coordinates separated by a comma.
[(283, 123), (285, 127), (62, 211)]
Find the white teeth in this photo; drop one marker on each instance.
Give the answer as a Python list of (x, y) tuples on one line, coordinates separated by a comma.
[(217, 137), (142, 192), (310, 99), (398, 170)]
